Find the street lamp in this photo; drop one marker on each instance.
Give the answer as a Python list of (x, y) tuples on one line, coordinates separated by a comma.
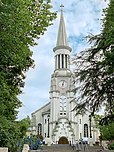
[(48, 116)]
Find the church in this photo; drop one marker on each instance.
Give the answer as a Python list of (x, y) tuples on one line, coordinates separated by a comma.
[(56, 121)]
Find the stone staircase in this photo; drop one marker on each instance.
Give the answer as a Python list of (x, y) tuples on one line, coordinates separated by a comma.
[(68, 148), (58, 148)]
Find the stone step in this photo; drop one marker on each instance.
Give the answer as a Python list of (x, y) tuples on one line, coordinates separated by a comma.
[(68, 148)]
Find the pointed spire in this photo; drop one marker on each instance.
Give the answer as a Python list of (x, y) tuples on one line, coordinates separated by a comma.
[(62, 36)]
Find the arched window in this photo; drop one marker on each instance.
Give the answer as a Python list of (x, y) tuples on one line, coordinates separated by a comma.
[(85, 130), (39, 129)]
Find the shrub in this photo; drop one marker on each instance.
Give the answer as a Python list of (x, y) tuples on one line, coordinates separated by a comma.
[(111, 146)]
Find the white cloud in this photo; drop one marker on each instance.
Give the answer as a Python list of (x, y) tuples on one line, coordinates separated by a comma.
[(81, 18)]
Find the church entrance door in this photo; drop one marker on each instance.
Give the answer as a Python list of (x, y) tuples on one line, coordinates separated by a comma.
[(63, 140)]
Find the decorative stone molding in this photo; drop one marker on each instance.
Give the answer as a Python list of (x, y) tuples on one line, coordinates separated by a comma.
[(105, 144)]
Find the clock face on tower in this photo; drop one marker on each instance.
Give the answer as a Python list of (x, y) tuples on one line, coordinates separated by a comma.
[(62, 84)]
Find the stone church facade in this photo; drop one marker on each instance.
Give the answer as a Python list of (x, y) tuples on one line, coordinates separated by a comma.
[(56, 121)]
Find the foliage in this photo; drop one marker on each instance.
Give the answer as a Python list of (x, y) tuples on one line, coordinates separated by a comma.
[(105, 127), (107, 119), (24, 125), (8, 100), (94, 70), (97, 119), (21, 23), (111, 146), (107, 131), (33, 141), (11, 132)]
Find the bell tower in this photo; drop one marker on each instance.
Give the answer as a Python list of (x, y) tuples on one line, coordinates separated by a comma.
[(61, 94), (62, 49)]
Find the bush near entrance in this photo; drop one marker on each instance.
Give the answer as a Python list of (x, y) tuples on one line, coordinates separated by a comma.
[(34, 142)]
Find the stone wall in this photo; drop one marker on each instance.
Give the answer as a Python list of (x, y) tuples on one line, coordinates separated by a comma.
[(25, 148), (3, 149)]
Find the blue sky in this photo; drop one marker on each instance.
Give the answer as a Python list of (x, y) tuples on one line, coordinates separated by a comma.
[(82, 17)]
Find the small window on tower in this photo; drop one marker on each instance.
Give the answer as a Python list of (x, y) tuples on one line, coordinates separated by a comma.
[(80, 121), (62, 61), (59, 61), (45, 121), (56, 123), (66, 61)]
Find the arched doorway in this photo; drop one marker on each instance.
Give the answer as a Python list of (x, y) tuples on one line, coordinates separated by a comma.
[(63, 140)]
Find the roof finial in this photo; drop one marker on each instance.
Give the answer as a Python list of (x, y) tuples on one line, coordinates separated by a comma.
[(61, 7)]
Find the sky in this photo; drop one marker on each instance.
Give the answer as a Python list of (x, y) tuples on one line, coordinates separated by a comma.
[(82, 17)]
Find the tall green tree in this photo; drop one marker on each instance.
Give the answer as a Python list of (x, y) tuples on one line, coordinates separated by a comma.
[(12, 133), (105, 127), (94, 70), (107, 131), (21, 23)]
